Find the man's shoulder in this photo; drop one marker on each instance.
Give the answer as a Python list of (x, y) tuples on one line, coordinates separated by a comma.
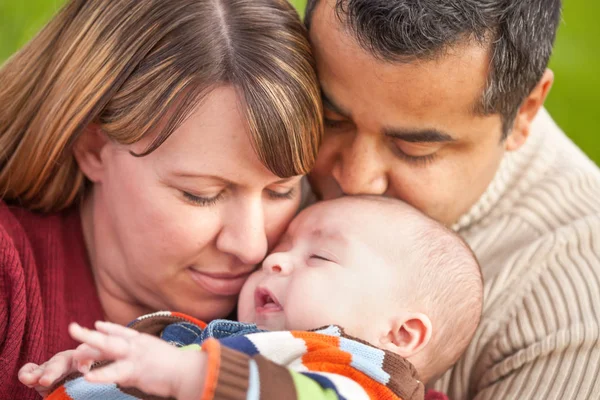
[(526, 254), (541, 305), (546, 189), (559, 184)]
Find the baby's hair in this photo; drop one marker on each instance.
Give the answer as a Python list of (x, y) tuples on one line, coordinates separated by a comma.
[(445, 283), (449, 283)]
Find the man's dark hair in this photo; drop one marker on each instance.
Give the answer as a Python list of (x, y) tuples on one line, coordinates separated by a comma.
[(520, 34)]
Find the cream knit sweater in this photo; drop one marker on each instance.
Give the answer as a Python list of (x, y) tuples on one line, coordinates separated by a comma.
[(536, 232)]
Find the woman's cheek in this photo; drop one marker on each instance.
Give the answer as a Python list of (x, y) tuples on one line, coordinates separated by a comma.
[(185, 232), (277, 220)]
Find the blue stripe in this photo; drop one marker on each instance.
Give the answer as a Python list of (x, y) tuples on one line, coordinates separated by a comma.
[(331, 330), (367, 359), (80, 389), (240, 343)]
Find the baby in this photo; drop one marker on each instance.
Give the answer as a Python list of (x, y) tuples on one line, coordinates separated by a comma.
[(389, 287)]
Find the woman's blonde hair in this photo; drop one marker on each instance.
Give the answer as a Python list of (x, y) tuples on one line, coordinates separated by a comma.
[(134, 65)]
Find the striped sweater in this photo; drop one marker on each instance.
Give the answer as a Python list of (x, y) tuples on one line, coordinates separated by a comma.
[(536, 232), (320, 364)]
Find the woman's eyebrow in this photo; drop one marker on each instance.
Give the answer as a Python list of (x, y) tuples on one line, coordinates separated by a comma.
[(191, 174), (287, 180)]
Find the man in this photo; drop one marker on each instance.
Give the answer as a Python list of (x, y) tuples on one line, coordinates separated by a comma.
[(439, 103)]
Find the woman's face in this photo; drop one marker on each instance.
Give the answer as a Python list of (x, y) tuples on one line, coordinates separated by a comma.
[(182, 228)]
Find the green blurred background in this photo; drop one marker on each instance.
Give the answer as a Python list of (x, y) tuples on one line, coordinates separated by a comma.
[(572, 101)]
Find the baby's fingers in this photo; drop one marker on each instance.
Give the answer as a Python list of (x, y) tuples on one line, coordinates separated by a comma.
[(57, 367), (85, 356), (30, 373), (110, 347), (115, 330), (117, 372)]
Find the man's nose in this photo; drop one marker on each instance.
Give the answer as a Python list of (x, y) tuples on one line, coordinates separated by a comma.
[(360, 169)]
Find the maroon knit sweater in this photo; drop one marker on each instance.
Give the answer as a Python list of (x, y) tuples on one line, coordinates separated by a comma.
[(45, 283)]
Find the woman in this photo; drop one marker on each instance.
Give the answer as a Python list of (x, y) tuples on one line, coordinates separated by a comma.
[(150, 153)]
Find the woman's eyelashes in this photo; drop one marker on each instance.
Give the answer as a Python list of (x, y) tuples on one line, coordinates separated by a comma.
[(206, 201), (278, 195), (202, 200)]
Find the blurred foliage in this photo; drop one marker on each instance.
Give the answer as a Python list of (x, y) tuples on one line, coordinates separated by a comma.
[(572, 101)]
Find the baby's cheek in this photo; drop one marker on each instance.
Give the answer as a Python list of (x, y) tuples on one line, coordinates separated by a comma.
[(246, 306), (309, 312)]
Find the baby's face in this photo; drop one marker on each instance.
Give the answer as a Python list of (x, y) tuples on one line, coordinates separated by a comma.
[(327, 269)]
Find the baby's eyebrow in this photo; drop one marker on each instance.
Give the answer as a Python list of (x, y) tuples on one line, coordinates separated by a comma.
[(335, 236)]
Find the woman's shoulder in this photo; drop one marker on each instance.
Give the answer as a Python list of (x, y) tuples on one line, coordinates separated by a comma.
[(21, 315), (45, 283), (40, 233), (18, 272)]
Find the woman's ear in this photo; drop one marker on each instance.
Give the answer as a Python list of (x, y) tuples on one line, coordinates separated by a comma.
[(527, 112), (408, 335), (87, 150)]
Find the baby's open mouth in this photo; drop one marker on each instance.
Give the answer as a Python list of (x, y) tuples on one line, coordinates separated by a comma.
[(265, 301)]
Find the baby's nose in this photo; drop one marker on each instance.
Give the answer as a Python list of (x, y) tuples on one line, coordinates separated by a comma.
[(276, 268), (277, 263)]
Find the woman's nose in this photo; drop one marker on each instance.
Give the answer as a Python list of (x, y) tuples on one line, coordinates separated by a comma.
[(359, 168), (278, 263), (244, 234)]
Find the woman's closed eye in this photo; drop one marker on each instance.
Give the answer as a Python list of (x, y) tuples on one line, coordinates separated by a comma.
[(204, 201), (282, 194)]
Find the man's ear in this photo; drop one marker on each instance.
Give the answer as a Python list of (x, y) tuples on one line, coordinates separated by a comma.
[(408, 335), (87, 150), (527, 112)]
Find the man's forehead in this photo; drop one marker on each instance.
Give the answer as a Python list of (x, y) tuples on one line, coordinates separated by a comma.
[(456, 80)]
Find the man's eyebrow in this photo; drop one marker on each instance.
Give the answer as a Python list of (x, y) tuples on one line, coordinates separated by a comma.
[(331, 105), (419, 136)]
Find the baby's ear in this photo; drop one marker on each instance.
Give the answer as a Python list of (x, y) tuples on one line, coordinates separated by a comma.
[(408, 334)]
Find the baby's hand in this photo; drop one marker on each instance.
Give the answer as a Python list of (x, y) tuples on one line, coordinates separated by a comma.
[(43, 377), (140, 360)]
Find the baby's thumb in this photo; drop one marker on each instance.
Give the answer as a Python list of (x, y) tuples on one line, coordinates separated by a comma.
[(84, 366), (29, 374)]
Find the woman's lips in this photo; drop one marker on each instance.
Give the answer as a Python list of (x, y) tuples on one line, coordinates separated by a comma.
[(266, 302), (220, 284)]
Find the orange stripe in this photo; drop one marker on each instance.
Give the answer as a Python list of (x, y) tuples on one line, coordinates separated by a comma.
[(193, 320), (59, 394), (374, 389), (324, 355), (213, 364), (322, 347)]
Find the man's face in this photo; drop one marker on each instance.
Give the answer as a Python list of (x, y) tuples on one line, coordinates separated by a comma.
[(406, 130)]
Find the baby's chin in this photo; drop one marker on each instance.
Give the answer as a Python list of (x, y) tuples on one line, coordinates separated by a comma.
[(271, 322)]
